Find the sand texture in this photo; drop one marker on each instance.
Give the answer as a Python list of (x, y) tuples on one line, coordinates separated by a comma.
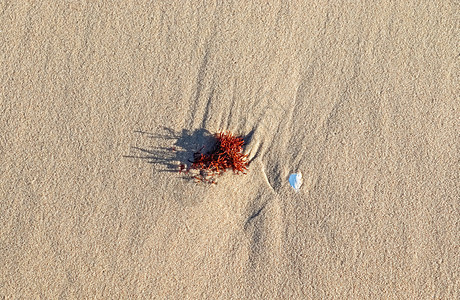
[(101, 102)]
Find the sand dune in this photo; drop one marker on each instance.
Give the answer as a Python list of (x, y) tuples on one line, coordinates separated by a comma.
[(101, 103)]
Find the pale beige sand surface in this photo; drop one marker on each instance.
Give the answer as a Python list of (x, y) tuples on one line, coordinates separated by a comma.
[(362, 98)]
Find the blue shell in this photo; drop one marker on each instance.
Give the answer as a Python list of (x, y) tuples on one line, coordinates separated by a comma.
[(295, 180)]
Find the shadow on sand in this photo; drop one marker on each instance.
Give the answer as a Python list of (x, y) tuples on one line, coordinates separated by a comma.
[(183, 146)]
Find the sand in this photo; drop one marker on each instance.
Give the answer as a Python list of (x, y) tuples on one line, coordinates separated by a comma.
[(101, 102)]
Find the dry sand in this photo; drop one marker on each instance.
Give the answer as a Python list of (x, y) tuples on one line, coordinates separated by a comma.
[(362, 98)]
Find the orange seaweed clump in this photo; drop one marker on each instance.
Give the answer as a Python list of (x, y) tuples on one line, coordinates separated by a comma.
[(227, 154)]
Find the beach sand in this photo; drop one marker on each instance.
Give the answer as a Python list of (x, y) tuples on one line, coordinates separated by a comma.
[(101, 103)]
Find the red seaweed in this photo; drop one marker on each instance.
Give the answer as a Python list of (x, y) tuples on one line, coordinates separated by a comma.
[(226, 154)]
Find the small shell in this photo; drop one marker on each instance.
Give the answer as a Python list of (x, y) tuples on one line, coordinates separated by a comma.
[(295, 180)]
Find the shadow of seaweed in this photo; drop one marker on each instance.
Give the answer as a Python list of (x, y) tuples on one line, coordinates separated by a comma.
[(182, 147)]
